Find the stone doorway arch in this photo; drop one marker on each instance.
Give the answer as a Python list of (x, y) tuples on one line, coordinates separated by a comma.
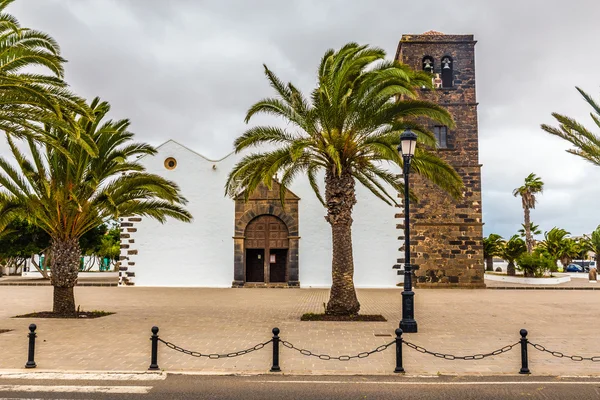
[(264, 227)]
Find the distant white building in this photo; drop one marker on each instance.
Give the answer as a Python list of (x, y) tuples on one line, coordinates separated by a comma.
[(258, 243)]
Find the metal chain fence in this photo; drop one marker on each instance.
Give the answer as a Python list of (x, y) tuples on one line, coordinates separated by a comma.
[(558, 354), (214, 356), (276, 341), (423, 350), (397, 343), (364, 354)]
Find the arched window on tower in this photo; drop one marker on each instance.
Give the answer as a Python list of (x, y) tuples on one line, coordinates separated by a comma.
[(447, 72), (428, 64), (441, 136)]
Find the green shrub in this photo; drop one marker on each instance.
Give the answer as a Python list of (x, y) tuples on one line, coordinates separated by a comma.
[(548, 262), (535, 264)]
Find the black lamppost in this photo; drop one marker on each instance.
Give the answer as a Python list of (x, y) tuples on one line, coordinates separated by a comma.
[(408, 143)]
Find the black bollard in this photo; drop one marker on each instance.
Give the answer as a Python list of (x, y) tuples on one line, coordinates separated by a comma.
[(154, 357), (524, 360), (30, 357), (399, 367), (275, 366)]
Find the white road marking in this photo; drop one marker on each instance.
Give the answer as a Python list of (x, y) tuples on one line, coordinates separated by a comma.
[(438, 383), (76, 389), (85, 376)]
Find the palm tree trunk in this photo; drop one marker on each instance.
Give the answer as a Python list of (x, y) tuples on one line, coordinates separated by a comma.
[(340, 198), (510, 269), (64, 258), (528, 238), (489, 262)]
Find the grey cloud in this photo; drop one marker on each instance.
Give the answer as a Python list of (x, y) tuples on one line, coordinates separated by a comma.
[(189, 69)]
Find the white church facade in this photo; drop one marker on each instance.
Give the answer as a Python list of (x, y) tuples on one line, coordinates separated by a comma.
[(265, 243), (232, 243)]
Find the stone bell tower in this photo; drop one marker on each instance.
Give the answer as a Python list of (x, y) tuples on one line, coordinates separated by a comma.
[(446, 234)]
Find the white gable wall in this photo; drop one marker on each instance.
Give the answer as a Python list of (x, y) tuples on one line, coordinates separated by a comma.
[(201, 253), (188, 254)]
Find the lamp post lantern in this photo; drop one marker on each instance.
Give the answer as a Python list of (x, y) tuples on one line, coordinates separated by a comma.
[(408, 143)]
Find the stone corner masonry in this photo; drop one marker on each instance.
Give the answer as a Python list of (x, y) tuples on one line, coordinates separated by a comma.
[(129, 251)]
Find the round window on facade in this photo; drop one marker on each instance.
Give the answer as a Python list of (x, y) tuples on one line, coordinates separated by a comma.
[(170, 163)]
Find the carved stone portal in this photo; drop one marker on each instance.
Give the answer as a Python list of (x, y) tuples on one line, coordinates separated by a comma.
[(266, 239)]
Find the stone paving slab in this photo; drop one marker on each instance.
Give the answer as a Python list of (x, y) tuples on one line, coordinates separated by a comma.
[(460, 322)]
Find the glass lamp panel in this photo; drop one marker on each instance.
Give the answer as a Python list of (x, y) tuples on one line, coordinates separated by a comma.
[(408, 147)]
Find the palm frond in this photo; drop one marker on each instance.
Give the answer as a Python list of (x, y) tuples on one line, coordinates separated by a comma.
[(32, 100), (585, 143), (67, 191), (350, 125)]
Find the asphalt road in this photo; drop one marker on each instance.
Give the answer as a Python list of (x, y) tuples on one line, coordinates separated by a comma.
[(305, 387)]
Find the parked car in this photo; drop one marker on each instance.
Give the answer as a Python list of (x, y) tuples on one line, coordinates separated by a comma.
[(586, 264), (574, 268), (589, 264)]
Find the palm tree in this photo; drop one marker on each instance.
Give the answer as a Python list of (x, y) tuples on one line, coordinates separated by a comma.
[(556, 244), (586, 144), (534, 229), (32, 99), (533, 185), (69, 194), (584, 245), (348, 129), (492, 246), (513, 249), (595, 242), (570, 249)]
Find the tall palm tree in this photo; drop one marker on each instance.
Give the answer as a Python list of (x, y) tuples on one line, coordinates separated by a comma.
[(511, 251), (586, 144), (492, 246), (348, 129), (533, 185), (69, 194), (32, 99)]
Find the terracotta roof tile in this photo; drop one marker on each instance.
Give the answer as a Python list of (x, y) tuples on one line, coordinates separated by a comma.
[(433, 33)]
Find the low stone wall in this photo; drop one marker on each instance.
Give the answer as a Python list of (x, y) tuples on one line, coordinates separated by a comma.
[(109, 274), (529, 281), (578, 275)]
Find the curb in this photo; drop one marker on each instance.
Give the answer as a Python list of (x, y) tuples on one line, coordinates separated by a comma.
[(83, 375), (162, 375), (540, 288), (48, 284)]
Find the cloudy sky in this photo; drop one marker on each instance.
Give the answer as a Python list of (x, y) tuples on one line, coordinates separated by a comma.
[(189, 69)]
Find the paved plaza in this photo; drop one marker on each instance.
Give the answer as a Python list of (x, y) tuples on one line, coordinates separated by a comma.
[(460, 322), (578, 281)]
